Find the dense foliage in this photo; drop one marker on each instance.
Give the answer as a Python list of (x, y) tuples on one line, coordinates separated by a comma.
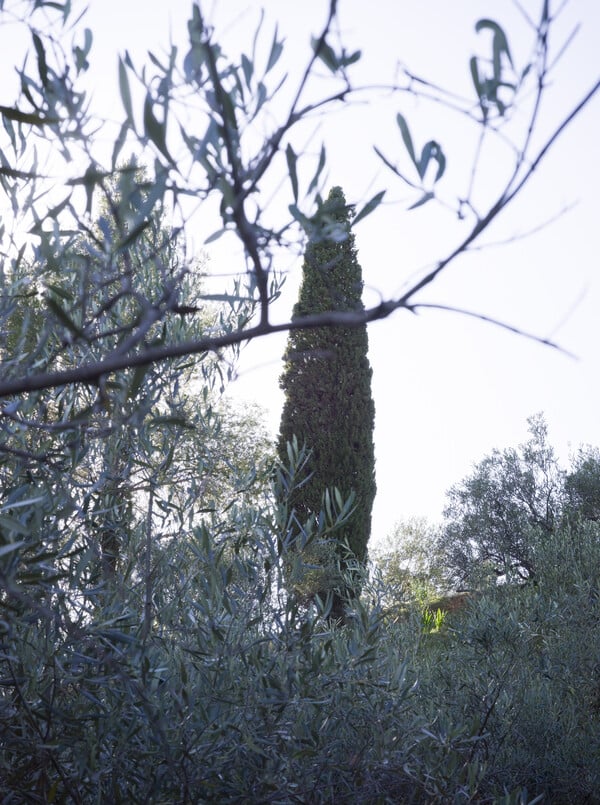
[(495, 515), (328, 408), (582, 484), (514, 500), (410, 564), (149, 651), (235, 694)]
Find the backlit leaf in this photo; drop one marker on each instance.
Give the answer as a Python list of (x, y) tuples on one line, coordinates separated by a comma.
[(154, 129), (370, 206), (276, 51), (423, 200), (432, 150), (406, 137), (292, 159), (315, 180), (326, 53), (11, 547), (125, 91), (41, 59)]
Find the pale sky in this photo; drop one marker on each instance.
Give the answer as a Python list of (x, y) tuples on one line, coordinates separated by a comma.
[(447, 389)]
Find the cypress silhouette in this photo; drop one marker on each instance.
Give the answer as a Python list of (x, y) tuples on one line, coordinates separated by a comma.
[(327, 383)]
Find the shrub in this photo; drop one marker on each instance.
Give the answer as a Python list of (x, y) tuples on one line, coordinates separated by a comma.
[(521, 667)]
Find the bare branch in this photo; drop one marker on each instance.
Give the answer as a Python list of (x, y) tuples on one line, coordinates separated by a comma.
[(494, 244), (497, 323), (91, 373)]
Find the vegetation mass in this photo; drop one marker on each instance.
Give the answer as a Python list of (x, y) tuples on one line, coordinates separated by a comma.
[(155, 644)]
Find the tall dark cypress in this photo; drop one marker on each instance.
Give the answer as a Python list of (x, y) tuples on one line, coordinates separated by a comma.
[(327, 382)]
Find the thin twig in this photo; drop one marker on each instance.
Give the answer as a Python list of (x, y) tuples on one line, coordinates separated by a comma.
[(497, 323), (493, 244), (502, 201)]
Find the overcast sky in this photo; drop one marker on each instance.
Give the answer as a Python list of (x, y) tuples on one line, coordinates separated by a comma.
[(447, 388)]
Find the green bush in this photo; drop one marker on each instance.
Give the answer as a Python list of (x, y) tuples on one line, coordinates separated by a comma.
[(234, 691), (521, 665)]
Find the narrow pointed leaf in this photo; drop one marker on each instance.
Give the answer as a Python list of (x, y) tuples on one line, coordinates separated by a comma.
[(215, 235), (475, 75), (248, 69), (154, 129), (292, 160), (315, 180), (125, 91), (404, 131), (423, 200), (441, 160), (63, 316), (41, 60), (432, 150), (480, 87), (119, 143), (369, 207), (276, 51), (351, 58), (11, 547)]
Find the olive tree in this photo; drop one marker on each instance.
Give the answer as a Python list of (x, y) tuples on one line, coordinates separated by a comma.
[(494, 517), (410, 563), (582, 484)]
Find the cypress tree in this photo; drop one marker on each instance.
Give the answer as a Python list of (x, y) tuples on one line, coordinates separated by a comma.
[(327, 383)]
